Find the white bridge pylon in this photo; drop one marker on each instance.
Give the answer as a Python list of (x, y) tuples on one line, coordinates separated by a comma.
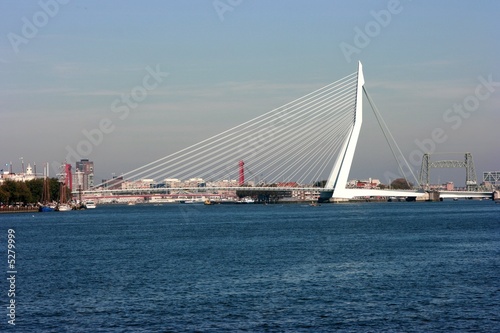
[(338, 177), (336, 184)]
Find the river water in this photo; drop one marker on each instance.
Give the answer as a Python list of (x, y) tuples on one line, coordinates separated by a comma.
[(369, 267)]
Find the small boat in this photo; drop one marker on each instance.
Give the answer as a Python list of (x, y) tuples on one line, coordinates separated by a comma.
[(90, 204), (314, 204), (131, 203), (191, 201), (45, 209), (208, 202), (63, 208)]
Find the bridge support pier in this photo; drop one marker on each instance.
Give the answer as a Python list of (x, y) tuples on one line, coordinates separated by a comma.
[(324, 196), (434, 196)]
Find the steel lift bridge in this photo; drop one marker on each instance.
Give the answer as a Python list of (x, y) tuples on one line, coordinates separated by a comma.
[(310, 139), (468, 164)]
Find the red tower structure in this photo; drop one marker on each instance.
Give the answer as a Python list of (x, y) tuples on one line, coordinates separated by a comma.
[(69, 176), (242, 172)]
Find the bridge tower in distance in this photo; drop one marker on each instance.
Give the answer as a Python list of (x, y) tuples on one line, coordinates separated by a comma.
[(242, 173), (468, 164)]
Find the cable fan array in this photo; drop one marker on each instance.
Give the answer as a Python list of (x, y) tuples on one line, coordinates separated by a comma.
[(297, 142)]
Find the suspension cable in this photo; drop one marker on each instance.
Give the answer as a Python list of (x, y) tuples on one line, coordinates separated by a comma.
[(387, 132)]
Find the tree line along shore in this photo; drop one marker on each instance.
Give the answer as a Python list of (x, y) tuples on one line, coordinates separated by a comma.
[(27, 194)]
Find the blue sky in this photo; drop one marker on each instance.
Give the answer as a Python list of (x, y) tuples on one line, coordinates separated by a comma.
[(225, 67)]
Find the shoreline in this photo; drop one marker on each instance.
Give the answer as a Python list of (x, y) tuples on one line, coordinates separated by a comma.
[(18, 210)]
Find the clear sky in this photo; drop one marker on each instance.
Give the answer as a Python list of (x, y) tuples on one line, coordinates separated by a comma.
[(66, 65)]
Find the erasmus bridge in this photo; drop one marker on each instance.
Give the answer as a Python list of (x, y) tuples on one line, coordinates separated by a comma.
[(307, 140)]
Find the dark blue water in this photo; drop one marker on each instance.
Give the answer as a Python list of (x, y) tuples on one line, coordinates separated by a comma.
[(371, 267)]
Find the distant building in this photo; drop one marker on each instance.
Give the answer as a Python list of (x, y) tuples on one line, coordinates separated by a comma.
[(67, 176), (137, 184), (84, 174), (224, 183), (195, 182), (449, 186), (18, 177), (172, 182), (287, 184), (113, 184), (365, 183)]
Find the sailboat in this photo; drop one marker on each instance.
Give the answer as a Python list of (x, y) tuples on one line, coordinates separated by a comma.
[(63, 205), (44, 206)]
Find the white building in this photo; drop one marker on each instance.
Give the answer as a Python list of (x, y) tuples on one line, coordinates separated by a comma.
[(172, 183), (18, 177), (137, 184)]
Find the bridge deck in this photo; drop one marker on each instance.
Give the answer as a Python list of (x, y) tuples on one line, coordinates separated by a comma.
[(347, 193)]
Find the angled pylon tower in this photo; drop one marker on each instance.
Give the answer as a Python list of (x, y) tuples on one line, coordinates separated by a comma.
[(336, 183)]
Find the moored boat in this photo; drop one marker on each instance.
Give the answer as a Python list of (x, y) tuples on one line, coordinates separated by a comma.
[(63, 208), (45, 209), (63, 205), (44, 206), (90, 204)]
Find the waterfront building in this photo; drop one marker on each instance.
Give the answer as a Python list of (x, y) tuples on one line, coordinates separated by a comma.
[(66, 176), (224, 183), (137, 184), (195, 182), (114, 183), (27, 175), (369, 183), (84, 175), (449, 186), (172, 183)]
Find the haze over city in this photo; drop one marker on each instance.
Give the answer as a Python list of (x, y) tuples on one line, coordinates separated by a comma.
[(139, 81)]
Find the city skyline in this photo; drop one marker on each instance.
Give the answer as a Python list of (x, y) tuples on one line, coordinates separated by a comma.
[(146, 80)]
